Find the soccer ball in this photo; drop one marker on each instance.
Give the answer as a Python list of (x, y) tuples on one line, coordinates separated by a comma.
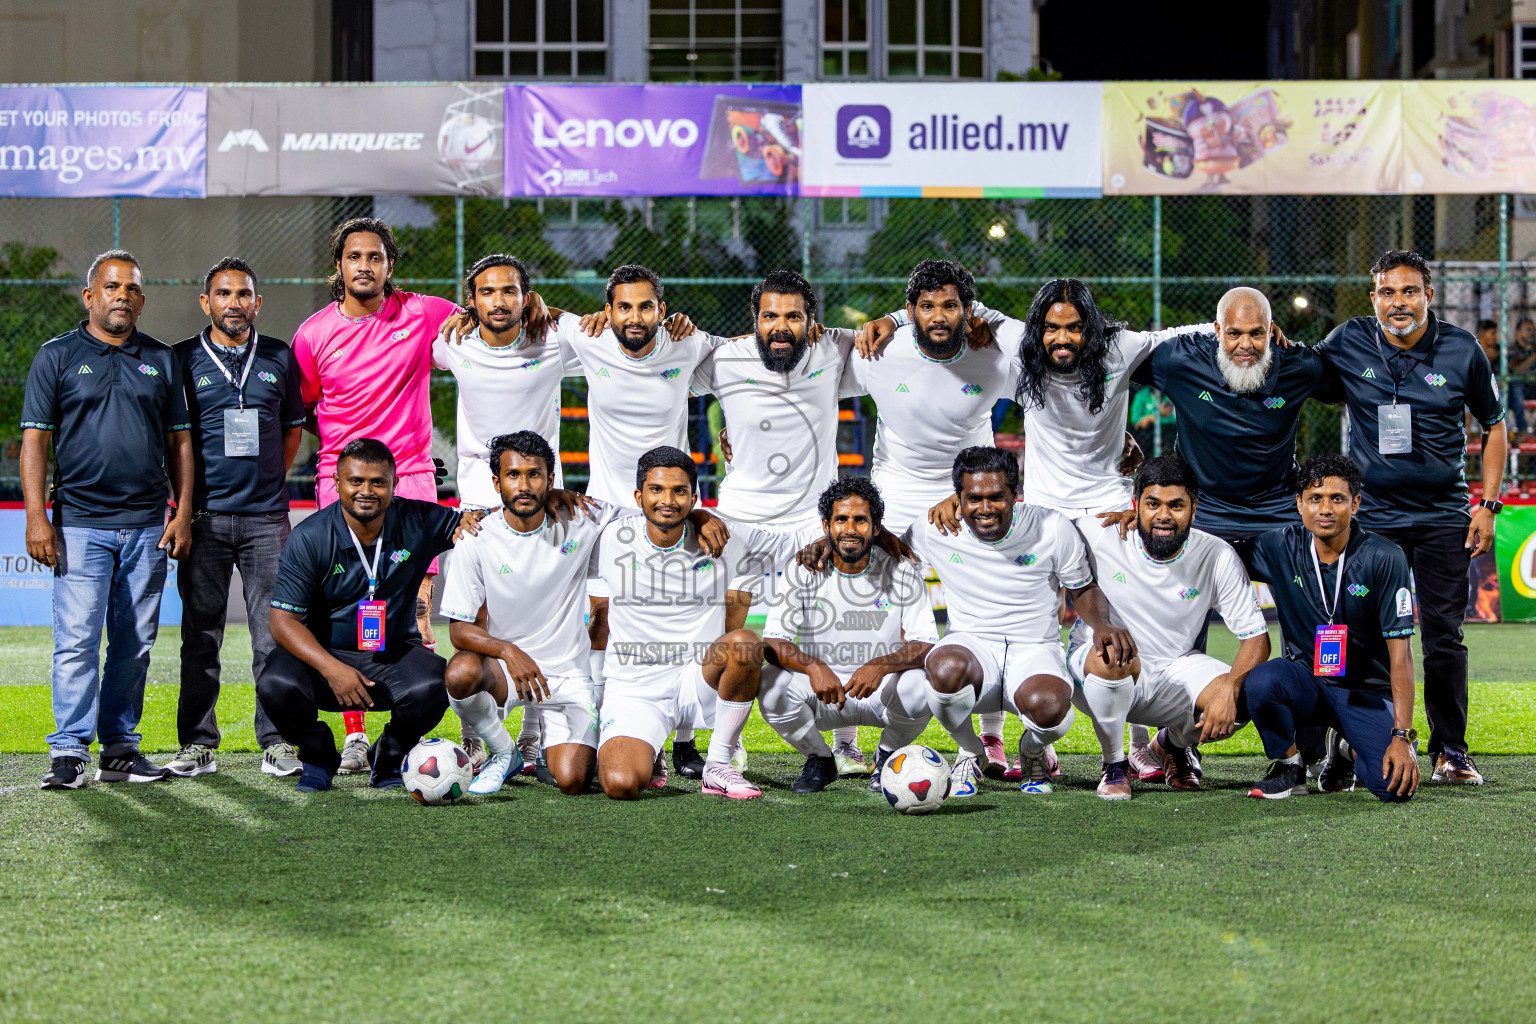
[(915, 779), (437, 772), (467, 143)]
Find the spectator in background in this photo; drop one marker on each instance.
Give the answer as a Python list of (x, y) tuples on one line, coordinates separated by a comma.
[(111, 401), (1152, 421), (247, 419), (1522, 362)]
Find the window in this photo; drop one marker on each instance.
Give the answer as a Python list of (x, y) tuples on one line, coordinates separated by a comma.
[(846, 212), (845, 39), (716, 40), (572, 213), (541, 39), (935, 39), (1525, 50)]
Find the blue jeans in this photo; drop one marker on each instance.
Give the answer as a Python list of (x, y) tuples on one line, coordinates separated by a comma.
[(112, 578), (1517, 403)]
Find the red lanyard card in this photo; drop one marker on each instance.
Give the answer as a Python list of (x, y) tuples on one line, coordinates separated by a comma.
[(1328, 655), (370, 625)]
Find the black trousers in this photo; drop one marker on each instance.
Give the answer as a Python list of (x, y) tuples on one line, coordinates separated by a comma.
[(220, 544), (407, 683), (1442, 569)]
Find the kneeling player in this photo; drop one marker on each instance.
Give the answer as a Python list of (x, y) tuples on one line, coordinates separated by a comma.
[(840, 654), (671, 662), (1164, 579), (1002, 576)]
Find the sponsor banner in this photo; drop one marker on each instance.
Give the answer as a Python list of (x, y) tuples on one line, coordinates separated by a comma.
[(1469, 136), (103, 141), (322, 140), (953, 140), (26, 586), (653, 140), (1252, 138), (1514, 544)]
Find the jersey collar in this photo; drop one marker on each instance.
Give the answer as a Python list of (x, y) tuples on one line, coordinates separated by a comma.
[(130, 345), (928, 358), (1136, 539), (1013, 524)]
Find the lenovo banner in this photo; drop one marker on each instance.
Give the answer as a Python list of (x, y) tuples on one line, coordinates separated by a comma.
[(69, 140), (334, 140), (956, 140), (653, 140)]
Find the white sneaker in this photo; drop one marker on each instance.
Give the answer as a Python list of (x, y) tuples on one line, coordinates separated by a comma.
[(493, 774), (193, 759), (850, 760), (965, 776), (354, 754), (725, 780)]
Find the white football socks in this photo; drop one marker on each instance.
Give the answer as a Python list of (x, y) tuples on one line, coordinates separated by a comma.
[(1109, 703), (786, 707), (992, 723), (1140, 735), (1036, 737), (953, 710), (478, 712), (595, 669), (846, 734), (730, 719)]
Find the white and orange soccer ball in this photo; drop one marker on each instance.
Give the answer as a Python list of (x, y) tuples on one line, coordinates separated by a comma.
[(915, 779), (437, 772)]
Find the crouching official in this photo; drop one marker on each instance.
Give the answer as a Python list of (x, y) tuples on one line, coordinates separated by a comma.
[(1346, 616), (344, 618)]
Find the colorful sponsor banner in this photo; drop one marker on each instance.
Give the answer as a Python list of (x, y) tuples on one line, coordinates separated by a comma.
[(355, 140), (1252, 138), (653, 140), (26, 586), (968, 140), (1469, 136), (1514, 544), (69, 140)]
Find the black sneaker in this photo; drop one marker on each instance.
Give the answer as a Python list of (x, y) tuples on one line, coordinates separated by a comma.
[(64, 773), (1336, 774), (313, 779), (1284, 779), (541, 769), (686, 759), (817, 775), (130, 767), (881, 756)]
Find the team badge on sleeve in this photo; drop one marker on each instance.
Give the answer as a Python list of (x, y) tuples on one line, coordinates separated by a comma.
[(1404, 601)]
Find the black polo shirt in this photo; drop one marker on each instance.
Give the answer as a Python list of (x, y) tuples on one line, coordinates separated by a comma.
[(109, 407), (234, 483), (1242, 447), (1443, 374), (1375, 601), (321, 577)]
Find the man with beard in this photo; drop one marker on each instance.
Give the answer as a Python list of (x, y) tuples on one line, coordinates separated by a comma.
[(365, 365), (846, 648), (674, 660), (344, 619), (247, 421), (1003, 574), (1407, 378), (1164, 579)]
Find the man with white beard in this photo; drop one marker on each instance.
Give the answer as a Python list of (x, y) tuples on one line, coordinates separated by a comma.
[(1239, 397)]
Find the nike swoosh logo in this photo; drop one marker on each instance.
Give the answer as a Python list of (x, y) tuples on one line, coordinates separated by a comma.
[(477, 145)]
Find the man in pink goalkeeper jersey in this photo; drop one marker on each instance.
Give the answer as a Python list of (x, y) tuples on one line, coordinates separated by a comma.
[(365, 365)]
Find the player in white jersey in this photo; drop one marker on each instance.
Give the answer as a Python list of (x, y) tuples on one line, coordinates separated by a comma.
[(1003, 574), (846, 648), (674, 662), (1164, 578), (508, 374)]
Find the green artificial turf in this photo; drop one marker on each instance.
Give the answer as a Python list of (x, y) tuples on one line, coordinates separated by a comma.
[(232, 898)]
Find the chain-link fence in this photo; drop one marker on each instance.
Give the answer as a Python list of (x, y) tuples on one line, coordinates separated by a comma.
[(1149, 261)]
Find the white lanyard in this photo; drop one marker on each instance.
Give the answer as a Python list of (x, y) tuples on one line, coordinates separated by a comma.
[(371, 570), (1337, 582), (245, 374)]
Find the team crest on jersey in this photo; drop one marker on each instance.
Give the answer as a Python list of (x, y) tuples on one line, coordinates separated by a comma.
[(400, 556), (204, 382), (1368, 373), (955, 558), (815, 374), (569, 546), (1274, 403), (531, 364), (1358, 589), (1297, 580), (401, 335), (464, 364), (971, 389), (270, 378), (1189, 593), (902, 389), (338, 570), (1108, 377), (148, 371), (1025, 560), (83, 369), (602, 371), (703, 566), (1205, 396), (750, 380), (1434, 380), (1119, 577), (882, 603), (505, 570), (669, 374)]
